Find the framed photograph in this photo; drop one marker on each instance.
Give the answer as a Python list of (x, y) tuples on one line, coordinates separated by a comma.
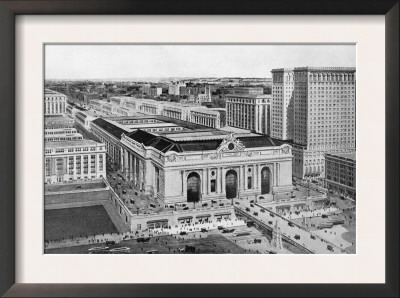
[(223, 151)]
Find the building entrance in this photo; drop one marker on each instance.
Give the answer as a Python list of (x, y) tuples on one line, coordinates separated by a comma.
[(231, 184)]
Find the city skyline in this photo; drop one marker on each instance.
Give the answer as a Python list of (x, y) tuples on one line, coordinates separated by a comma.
[(110, 62)]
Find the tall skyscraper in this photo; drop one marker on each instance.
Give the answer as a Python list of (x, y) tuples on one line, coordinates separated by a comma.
[(282, 103), (324, 116)]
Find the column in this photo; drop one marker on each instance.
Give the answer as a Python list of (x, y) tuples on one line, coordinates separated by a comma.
[(134, 170), (125, 163), (218, 180), (131, 167), (245, 177), (182, 182), (208, 181), (204, 188), (223, 181), (256, 116), (256, 176), (240, 182), (121, 163)]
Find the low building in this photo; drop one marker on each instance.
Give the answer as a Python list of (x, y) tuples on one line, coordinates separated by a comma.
[(84, 119), (58, 122), (63, 137), (340, 173), (249, 111), (74, 160), (205, 116)]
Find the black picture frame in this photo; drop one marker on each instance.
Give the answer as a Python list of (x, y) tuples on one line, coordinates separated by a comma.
[(10, 8)]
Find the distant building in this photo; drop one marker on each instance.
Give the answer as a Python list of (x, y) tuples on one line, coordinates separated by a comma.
[(84, 119), (340, 173), (54, 102), (248, 90), (205, 116), (74, 160), (155, 91), (174, 89), (249, 111)]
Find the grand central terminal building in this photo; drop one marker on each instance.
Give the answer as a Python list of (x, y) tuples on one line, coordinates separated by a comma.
[(176, 161)]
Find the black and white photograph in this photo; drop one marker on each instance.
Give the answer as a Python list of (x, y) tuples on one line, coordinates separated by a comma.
[(199, 148)]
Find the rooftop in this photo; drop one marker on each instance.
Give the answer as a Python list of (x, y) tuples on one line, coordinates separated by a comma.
[(73, 143), (351, 155), (249, 95)]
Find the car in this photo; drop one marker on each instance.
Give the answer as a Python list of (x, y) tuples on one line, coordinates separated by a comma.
[(203, 230), (270, 222), (78, 187), (124, 191), (143, 239), (120, 250), (251, 205), (182, 233), (324, 216), (228, 231), (171, 206), (247, 209), (262, 210), (185, 208), (297, 237), (329, 247), (290, 224), (119, 183), (189, 248), (255, 213), (153, 251), (237, 203), (181, 249), (252, 201), (271, 252), (271, 214), (312, 237), (220, 228), (99, 248), (221, 204), (257, 240), (250, 223), (204, 205), (109, 243), (152, 205)]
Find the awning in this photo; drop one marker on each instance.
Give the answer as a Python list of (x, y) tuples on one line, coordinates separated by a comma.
[(283, 206), (222, 213), (157, 220), (299, 204), (185, 217), (203, 215)]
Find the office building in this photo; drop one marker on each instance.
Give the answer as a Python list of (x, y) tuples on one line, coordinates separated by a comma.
[(340, 174), (54, 102), (324, 117), (282, 107), (74, 160), (249, 111)]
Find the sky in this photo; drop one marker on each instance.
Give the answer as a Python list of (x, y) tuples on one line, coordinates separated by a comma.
[(79, 62)]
